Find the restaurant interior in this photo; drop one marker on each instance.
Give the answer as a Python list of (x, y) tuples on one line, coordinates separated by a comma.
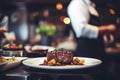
[(46, 23), (36, 12)]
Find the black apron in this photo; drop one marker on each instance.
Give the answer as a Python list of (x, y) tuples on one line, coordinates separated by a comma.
[(93, 48)]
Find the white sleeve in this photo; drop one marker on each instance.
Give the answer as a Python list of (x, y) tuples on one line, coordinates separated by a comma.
[(79, 15)]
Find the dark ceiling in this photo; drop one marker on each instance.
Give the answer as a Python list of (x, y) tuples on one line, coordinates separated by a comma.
[(65, 2), (11, 5), (98, 2)]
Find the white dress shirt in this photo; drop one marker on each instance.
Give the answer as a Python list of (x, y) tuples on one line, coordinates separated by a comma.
[(78, 11)]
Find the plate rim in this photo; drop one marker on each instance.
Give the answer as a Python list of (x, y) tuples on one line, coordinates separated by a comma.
[(3, 63), (60, 67)]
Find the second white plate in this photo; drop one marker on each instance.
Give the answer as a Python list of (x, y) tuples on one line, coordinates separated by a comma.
[(6, 65)]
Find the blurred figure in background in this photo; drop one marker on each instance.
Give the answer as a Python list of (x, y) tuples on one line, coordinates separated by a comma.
[(87, 26), (19, 24), (89, 31), (3, 28)]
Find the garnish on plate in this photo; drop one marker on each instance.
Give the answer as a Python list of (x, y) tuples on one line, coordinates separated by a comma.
[(12, 46)]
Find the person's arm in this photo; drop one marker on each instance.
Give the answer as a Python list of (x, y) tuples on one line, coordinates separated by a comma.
[(79, 15), (104, 29), (3, 30)]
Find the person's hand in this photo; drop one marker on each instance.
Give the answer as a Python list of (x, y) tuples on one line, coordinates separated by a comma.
[(3, 30), (111, 27), (107, 28)]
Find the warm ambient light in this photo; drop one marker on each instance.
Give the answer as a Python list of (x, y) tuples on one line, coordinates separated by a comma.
[(62, 18), (35, 13), (59, 6), (66, 20), (112, 11), (46, 13)]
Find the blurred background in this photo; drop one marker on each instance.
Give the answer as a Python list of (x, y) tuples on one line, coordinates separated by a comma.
[(46, 21)]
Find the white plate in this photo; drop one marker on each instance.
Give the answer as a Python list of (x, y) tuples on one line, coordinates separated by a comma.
[(35, 63), (12, 64), (50, 48)]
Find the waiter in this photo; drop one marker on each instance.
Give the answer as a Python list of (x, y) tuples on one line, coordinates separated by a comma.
[(87, 26)]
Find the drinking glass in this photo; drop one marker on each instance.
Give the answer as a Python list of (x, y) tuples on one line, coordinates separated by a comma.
[(10, 37)]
